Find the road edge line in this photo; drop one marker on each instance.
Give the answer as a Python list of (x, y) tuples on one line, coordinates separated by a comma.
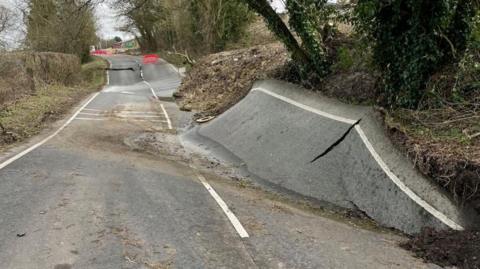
[(400, 184), (45, 140), (419, 200), (169, 122), (151, 89), (231, 217)]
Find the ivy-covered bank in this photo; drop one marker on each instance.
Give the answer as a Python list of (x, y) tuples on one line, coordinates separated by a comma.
[(414, 39)]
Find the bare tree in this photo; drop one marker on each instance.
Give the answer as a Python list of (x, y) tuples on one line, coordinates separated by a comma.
[(66, 26), (6, 19), (6, 23)]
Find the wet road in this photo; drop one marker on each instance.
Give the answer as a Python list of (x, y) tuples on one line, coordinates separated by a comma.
[(87, 198)]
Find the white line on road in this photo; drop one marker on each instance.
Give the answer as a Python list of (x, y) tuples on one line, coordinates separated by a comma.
[(167, 117), (151, 89), (120, 119), (135, 112), (417, 199), (439, 215), (139, 116), (119, 111), (307, 108), (128, 115), (108, 74), (92, 119), (161, 105), (30, 149), (233, 219), (91, 114)]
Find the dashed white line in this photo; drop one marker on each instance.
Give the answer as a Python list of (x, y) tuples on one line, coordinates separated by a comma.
[(417, 199)]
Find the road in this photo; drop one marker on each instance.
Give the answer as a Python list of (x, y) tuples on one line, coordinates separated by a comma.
[(90, 198)]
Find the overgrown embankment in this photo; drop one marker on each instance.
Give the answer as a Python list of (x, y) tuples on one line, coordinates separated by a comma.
[(441, 140), (37, 88), (219, 81)]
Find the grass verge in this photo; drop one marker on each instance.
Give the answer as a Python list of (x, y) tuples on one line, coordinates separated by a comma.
[(29, 115)]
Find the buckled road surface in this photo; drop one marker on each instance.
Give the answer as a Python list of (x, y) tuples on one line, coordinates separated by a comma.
[(82, 197)]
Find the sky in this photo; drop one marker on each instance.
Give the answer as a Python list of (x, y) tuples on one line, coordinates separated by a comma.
[(108, 22)]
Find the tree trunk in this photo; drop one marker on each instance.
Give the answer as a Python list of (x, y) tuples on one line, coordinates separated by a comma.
[(278, 27)]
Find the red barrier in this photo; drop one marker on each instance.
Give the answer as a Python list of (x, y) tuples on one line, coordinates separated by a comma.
[(150, 59), (100, 52)]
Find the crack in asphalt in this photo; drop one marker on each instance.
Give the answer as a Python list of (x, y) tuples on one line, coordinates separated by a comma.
[(336, 143)]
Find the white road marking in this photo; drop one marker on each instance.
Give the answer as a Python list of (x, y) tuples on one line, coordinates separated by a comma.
[(92, 119), (90, 114), (30, 149), (145, 120), (231, 217), (429, 208), (138, 116), (108, 78), (119, 111), (307, 108), (135, 112), (120, 119), (151, 89), (167, 117), (439, 215), (108, 74)]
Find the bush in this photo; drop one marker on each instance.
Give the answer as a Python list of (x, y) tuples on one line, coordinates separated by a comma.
[(21, 74), (413, 39)]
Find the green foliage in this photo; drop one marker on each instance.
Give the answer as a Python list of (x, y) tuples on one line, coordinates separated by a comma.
[(310, 20), (413, 39), (282, 32), (475, 39), (344, 59)]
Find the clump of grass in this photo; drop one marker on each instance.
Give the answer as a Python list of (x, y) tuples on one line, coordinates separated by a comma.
[(28, 115)]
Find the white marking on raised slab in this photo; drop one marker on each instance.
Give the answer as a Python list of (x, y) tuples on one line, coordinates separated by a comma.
[(412, 195)]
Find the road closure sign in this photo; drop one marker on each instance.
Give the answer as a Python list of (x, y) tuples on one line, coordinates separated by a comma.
[(150, 59)]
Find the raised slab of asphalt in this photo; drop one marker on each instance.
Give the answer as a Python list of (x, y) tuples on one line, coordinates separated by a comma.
[(301, 142)]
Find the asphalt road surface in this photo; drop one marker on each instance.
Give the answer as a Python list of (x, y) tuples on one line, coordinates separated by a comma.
[(87, 199)]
